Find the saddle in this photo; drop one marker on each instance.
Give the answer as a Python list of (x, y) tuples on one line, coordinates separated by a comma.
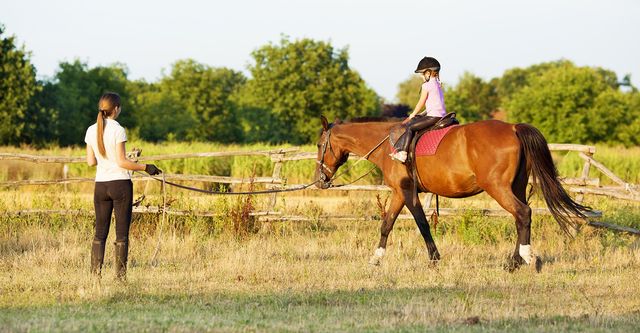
[(448, 120)]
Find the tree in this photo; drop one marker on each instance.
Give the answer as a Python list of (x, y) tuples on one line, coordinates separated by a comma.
[(159, 114), (295, 82), (409, 91), (203, 94), (616, 116), (517, 78), (74, 94), (17, 87), (569, 104), (472, 99)]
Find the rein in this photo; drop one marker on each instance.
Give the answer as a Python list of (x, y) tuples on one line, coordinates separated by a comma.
[(327, 144)]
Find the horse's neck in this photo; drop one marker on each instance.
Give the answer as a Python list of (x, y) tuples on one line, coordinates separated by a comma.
[(362, 138)]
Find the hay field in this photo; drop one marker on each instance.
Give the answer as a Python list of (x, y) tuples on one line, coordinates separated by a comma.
[(312, 276), (222, 274)]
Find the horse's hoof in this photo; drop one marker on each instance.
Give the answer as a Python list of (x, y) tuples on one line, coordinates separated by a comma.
[(377, 257), (513, 264), (375, 261), (536, 264), (510, 266)]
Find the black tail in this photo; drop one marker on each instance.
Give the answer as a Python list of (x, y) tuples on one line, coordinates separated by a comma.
[(545, 175)]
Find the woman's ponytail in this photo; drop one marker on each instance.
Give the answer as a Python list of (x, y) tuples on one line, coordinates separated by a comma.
[(106, 107), (100, 124)]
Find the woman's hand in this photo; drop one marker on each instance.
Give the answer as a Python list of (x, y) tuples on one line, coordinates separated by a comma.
[(406, 121), (152, 169)]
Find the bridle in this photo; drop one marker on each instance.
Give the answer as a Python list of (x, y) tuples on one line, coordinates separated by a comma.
[(327, 145)]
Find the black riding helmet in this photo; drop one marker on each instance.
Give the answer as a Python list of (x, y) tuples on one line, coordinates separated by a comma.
[(428, 63)]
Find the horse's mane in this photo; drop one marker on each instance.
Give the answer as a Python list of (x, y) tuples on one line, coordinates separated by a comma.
[(364, 120), (373, 120)]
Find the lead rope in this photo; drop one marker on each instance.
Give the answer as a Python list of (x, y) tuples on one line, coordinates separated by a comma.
[(365, 157), (162, 221), (298, 188)]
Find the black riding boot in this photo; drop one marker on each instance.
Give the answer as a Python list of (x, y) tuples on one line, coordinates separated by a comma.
[(97, 257), (404, 141), (122, 251)]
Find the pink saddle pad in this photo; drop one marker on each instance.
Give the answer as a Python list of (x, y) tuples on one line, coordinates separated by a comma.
[(428, 143)]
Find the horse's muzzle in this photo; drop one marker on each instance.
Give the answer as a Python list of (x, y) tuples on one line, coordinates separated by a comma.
[(323, 181)]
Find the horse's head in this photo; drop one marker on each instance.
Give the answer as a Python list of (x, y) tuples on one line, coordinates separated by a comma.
[(330, 156)]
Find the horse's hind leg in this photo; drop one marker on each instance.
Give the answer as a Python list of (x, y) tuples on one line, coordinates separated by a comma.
[(522, 253), (397, 202), (512, 197), (421, 220)]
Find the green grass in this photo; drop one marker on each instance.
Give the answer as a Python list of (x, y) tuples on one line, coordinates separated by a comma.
[(398, 310), (624, 162)]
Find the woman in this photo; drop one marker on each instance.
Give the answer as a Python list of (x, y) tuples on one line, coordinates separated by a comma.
[(431, 99), (113, 190)]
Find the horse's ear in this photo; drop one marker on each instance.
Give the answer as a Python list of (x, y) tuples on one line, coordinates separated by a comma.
[(337, 121), (325, 123)]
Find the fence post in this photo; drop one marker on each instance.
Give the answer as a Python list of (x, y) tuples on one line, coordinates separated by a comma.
[(585, 175), (277, 180), (65, 174), (427, 202), (134, 156)]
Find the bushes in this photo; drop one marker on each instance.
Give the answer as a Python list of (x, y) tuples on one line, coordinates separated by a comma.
[(568, 103)]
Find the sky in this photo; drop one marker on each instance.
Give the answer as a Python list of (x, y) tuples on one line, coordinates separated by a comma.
[(385, 39)]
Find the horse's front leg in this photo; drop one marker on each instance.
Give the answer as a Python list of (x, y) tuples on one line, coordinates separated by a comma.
[(397, 202), (416, 210)]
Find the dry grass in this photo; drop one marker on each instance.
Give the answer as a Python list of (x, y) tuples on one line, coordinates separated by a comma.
[(311, 276)]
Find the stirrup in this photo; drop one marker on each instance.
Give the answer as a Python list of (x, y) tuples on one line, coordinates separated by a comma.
[(400, 156)]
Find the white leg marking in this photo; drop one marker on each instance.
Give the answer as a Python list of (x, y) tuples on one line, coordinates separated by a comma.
[(379, 252), (525, 252)]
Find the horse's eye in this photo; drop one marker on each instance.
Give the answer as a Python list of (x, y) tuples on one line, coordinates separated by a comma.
[(318, 145)]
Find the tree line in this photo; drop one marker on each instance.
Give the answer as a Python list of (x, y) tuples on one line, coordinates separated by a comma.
[(291, 84)]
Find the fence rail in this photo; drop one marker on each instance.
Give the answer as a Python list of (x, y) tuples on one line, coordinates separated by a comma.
[(82, 159), (579, 185)]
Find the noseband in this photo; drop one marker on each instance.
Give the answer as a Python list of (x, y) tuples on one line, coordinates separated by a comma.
[(326, 145)]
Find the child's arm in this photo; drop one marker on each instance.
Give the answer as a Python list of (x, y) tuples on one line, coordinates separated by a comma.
[(423, 99)]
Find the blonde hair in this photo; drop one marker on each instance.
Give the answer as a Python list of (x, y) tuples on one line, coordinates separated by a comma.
[(106, 107)]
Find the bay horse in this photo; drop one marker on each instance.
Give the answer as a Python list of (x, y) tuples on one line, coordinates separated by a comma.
[(490, 156)]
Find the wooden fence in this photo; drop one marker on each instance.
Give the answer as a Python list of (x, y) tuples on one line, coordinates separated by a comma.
[(580, 185)]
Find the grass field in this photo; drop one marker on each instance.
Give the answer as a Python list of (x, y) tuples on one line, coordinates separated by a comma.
[(314, 276), (224, 275)]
